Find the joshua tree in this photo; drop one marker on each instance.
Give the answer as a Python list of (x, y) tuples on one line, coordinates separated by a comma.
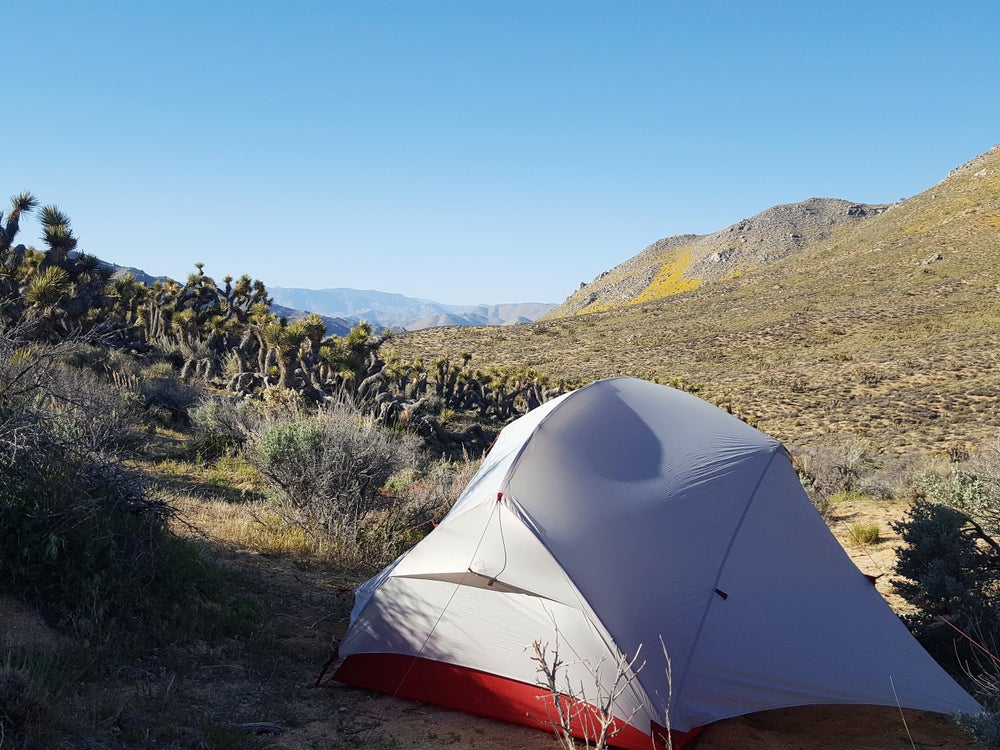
[(44, 295), (87, 301), (285, 340), (22, 203), (58, 235), (348, 357), (242, 297), (125, 295)]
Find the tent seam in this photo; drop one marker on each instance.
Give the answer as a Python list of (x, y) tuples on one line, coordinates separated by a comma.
[(505, 482), (679, 691), (444, 609), (584, 607)]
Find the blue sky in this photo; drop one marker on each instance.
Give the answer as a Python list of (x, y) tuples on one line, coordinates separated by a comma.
[(474, 152)]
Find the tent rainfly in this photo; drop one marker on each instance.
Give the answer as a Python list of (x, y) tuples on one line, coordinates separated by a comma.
[(612, 517)]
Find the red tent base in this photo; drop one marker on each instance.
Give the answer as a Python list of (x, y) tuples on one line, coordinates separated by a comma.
[(480, 693)]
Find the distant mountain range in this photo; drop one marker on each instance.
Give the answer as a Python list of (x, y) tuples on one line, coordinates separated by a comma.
[(399, 312), (342, 309)]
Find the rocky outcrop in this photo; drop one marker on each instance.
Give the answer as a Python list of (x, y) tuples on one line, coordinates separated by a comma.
[(774, 234)]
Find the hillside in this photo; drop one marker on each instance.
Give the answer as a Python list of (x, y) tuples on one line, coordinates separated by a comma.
[(679, 264), (885, 329)]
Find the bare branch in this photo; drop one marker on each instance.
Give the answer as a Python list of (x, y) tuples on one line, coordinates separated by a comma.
[(590, 718)]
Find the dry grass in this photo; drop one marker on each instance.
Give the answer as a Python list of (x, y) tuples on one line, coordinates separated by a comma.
[(863, 534), (253, 526)]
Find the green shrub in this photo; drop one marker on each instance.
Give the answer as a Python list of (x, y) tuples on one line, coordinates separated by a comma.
[(984, 727), (221, 426), (975, 496), (949, 570), (417, 500), (90, 549), (81, 538), (328, 470), (945, 570), (949, 566)]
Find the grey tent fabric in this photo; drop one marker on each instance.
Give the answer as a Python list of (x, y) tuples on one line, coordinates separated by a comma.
[(625, 513)]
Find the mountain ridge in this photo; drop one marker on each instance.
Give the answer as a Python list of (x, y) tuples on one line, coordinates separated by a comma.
[(400, 312), (682, 263)]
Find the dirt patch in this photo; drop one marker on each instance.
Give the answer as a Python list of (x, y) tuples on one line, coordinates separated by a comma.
[(877, 560), (835, 728), (359, 718), (362, 719), (23, 627)]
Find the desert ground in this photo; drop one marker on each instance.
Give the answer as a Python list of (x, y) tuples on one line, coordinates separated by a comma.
[(264, 689)]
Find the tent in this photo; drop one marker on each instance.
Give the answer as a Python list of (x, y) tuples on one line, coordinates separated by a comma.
[(612, 517)]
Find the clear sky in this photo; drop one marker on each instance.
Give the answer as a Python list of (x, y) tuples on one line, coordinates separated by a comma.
[(473, 151)]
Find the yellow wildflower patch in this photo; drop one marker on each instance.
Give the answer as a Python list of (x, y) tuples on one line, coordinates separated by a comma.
[(670, 279)]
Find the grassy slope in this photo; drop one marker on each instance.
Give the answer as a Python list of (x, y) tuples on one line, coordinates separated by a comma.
[(854, 335)]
